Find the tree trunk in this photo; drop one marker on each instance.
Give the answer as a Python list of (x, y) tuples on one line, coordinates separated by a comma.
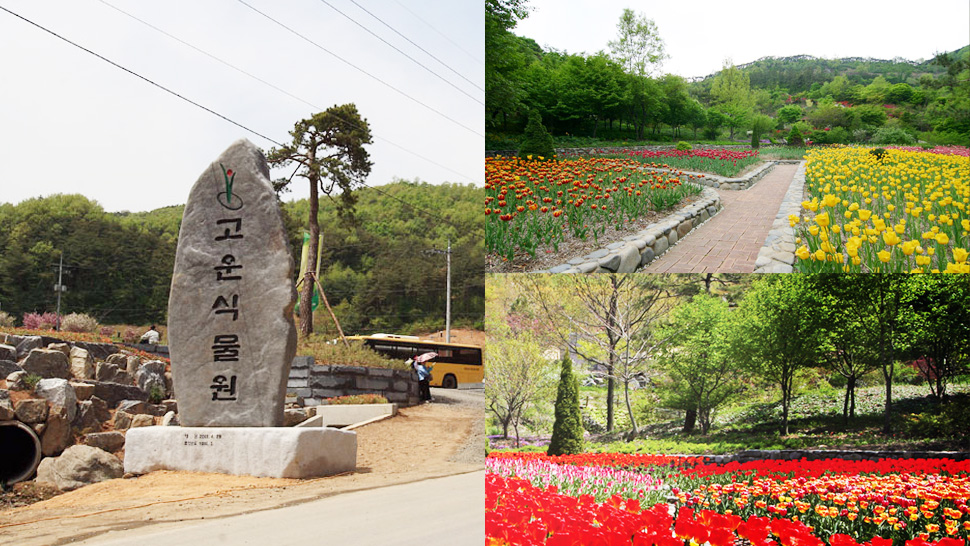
[(690, 420), (610, 389), (306, 293), (629, 408), (786, 385)]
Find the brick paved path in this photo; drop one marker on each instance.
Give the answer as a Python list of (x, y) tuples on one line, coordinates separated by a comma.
[(729, 242)]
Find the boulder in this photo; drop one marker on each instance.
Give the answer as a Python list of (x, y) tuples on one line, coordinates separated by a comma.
[(31, 410), (8, 367), (6, 408), (91, 414), (78, 466), (232, 342), (117, 358), (83, 391), (98, 351), (122, 420), (82, 363), (133, 407), (108, 441), (57, 433), (17, 381), (27, 344), (111, 373), (151, 375), (47, 363), (132, 364), (142, 420), (8, 352), (59, 393), (113, 393), (292, 417), (62, 347), (170, 419)]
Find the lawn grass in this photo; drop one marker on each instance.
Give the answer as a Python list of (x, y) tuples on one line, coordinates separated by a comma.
[(815, 422)]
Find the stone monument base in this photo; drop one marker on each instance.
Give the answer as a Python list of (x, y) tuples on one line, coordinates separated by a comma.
[(250, 451)]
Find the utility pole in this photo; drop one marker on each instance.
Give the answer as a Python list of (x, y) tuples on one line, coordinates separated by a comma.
[(59, 287), (447, 254)]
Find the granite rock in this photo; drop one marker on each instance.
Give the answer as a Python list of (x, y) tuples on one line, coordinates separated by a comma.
[(47, 363), (78, 466), (59, 393), (233, 338)]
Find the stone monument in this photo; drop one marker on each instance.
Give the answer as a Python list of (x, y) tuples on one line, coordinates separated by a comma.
[(232, 338)]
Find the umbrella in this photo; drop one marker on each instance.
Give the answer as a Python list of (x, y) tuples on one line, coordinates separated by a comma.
[(425, 357)]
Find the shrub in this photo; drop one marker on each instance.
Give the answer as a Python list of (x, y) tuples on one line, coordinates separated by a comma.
[(795, 138), (892, 135), (878, 152), (839, 135), (536, 141), (130, 336), (156, 394), (107, 331), (6, 320), (45, 321), (32, 380), (684, 146), (567, 432), (337, 354), (79, 322), (861, 135), (357, 399)]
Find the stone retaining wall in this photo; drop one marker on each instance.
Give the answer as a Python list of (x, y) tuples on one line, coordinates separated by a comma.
[(778, 253), (638, 250), (795, 455), (616, 149), (313, 382)]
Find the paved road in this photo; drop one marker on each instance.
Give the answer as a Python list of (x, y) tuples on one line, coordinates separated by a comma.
[(443, 511), (730, 241)]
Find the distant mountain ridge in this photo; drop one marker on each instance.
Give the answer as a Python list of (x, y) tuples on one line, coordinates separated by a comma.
[(797, 68)]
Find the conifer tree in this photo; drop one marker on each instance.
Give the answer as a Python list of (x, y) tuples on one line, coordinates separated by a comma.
[(567, 432), (537, 142)]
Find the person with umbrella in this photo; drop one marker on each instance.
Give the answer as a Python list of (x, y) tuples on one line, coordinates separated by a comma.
[(422, 366)]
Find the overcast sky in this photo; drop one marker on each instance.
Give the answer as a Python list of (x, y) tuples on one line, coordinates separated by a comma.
[(700, 34), (72, 123)]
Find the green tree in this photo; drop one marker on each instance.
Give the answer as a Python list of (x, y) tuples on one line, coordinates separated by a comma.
[(567, 432), (935, 327), (638, 46), (731, 94), (328, 149), (760, 124), (503, 59), (695, 358), (775, 333), (789, 114)]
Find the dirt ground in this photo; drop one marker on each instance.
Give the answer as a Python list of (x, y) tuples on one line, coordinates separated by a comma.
[(444, 438)]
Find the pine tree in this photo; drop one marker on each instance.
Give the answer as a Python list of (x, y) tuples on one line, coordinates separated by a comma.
[(567, 432)]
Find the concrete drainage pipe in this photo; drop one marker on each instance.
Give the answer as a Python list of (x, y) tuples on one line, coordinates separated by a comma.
[(19, 452)]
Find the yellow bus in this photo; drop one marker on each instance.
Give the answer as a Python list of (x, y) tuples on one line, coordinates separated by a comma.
[(456, 364)]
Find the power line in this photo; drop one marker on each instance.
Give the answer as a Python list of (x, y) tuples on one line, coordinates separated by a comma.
[(167, 90), (428, 53), (432, 27), (281, 90), (361, 70), (137, 75), (395, 48)]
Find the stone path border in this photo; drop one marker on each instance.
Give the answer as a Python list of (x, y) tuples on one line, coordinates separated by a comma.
[(778, 253), (638, 250)]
